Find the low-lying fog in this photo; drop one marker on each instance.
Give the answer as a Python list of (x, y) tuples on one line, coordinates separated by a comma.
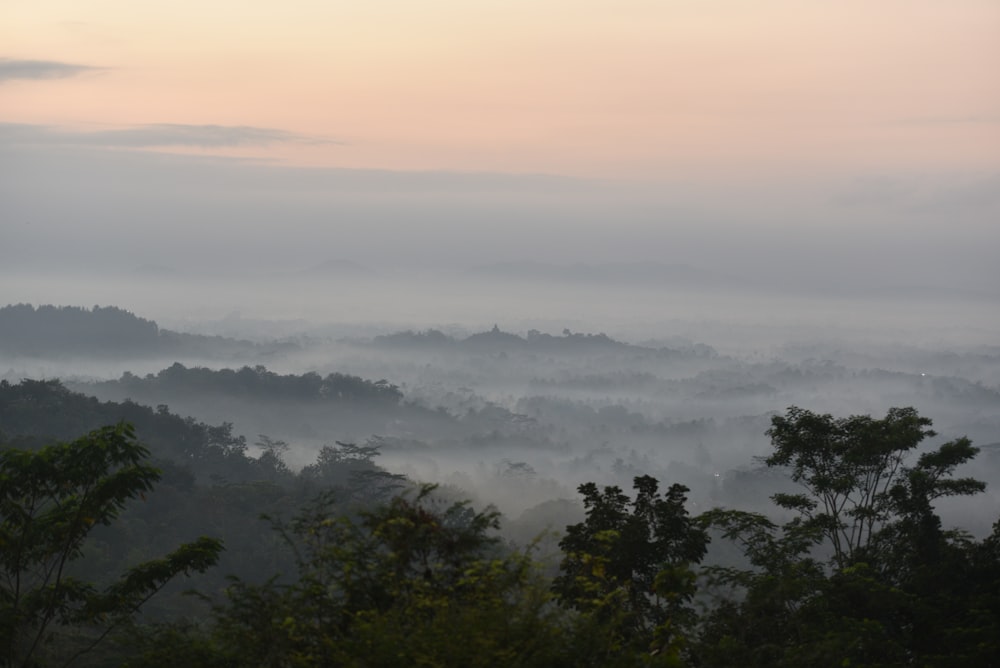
[(682, 386), (732, 316)]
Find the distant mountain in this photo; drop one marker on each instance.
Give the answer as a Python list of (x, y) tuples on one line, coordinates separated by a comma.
[(108, 331), (619, 272), (255, 383), (303, 407), (497, 340), (40, 411)]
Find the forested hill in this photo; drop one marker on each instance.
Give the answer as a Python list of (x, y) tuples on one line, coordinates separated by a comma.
[(212, 483), (497, 340), (853, 575), (307, 407), (66, 331), (256, 383), (38, 411)]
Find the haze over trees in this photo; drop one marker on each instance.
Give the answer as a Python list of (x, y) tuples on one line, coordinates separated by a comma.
[(50, 500), (105, 332), (400, 576), (495, 334), (653, 505)]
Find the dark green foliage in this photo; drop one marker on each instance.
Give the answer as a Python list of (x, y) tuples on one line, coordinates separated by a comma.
[(898, 589), (862, 574), (628, 563), (40, 411), (50, 499), (210, 485), (408, 583), (848, 466), (351, 468)]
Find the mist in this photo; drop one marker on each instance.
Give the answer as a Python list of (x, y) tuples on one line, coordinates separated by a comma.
[(611, 334), (722, 303), (513, 392), (92, 211)]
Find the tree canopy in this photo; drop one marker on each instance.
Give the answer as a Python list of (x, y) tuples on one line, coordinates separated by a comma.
[(856, 568), (50, 499)]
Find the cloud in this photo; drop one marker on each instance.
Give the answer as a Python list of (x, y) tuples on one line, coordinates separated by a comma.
[(982, 119), (205, 136), (11, 68), (155, 135)]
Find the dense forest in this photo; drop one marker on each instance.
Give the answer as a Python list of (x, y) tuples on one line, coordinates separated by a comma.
[(499, 334), (490, 498), (354, 565), (259, 383)]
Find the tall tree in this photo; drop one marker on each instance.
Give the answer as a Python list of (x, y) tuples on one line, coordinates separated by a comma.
[(412, 582), (50, 499), (855, 477), (628, 563), (897, 589)]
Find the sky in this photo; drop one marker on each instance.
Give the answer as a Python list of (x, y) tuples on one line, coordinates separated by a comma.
[(853, 140)]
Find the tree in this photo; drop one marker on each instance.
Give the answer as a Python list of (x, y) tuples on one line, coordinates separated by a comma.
[(352, 470), (628, 563), (853, 470), (414, 581), (762, 618), (50, 499), (271, 461), (897, 588)]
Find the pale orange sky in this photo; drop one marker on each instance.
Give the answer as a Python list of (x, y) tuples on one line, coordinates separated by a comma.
[(640, 89)]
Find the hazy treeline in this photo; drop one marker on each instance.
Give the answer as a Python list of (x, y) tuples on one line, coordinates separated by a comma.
[(460, 408), (496, 340), (359, 564), (323, 437), (212, 482), (257, 383), (25, 329), (35, 410), (108, 331)]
